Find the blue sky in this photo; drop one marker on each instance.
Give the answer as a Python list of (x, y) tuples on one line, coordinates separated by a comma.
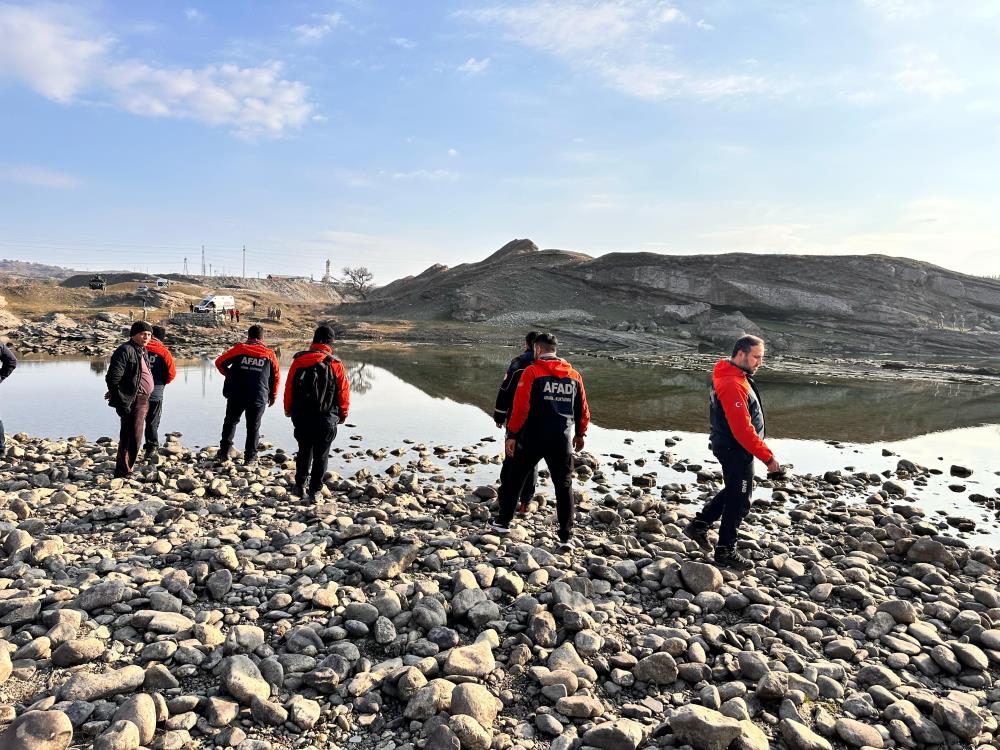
[(400, 134)]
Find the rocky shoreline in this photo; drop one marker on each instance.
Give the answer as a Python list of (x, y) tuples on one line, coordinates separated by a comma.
[(197, 606)]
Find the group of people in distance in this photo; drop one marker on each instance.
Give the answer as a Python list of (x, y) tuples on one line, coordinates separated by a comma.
[(541, 404), (317, 398)]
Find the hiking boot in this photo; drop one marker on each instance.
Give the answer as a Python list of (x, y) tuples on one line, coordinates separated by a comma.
[(730, 557), (299, 491), (522, 509), (698, 531), (222, 456), (498, 528), (250, 462)]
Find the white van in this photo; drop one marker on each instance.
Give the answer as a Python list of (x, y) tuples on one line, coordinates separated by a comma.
[(216, 303), (162, 282)]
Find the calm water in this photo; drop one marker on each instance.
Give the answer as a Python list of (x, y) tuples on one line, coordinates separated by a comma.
[(433, 396)]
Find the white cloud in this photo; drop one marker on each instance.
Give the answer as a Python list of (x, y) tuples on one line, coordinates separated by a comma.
[(49, 53), (59, 54), (473, 67), (901, 10), (452, 152), (40, 177), (619, 41), (310, 33), (403, 43), (193, 14), (431, 175), (922, 72), (704, 25)]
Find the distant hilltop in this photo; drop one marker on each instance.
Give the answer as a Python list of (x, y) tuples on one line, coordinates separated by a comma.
[(27, 269), (855, 303)]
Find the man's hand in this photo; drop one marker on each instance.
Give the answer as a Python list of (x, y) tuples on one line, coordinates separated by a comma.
[(499, 425), (509, 447), (107, 396), (288, 413), (578, 443), (270, 401), (773, 464)]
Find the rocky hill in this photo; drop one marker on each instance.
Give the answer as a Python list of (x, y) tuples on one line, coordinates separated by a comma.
[(28, 270), (865, 303)]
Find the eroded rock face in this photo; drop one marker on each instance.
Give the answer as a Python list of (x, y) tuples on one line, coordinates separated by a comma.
[(391, 597)]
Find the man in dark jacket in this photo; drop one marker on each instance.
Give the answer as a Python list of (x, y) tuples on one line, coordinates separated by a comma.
[(737, 436), (317, 398), (162, 364), (7, 364), (130, 383), (505, 402), (252, 378), (548, 421)]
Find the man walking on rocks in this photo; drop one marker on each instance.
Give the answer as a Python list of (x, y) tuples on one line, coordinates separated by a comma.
[(8, 362), (548, 421), (505, 402), (737, 430), (130, 383), (317, 398), (162, 364), (252, 378)]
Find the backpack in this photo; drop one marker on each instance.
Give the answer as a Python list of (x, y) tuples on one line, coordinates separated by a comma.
[(314, 388)]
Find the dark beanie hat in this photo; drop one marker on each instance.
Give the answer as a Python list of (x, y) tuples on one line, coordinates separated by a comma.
[(323, 335), (139, 326), (160, 332)]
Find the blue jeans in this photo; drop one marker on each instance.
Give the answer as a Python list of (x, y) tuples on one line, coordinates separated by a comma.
[(733, 502)]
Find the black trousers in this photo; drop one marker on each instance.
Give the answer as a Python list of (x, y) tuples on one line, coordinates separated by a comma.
[(3, 440), (314, 436), (234, 411), (516, 470), (153, 424), (733, 502), (130, 435)]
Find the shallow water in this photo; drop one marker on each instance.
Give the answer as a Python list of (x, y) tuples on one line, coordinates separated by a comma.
[(432, 396)]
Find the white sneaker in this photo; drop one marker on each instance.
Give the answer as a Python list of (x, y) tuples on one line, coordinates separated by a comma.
[(499, 528)]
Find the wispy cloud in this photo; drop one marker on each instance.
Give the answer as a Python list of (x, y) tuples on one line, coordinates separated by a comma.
[(922, 72), (403, 43), (40, 177), (62, 55), (315, 32), (193, 14), (431, 175), (619, 41), (473, 67)]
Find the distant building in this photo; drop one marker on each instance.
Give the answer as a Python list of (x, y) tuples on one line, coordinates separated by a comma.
[(280, 277)]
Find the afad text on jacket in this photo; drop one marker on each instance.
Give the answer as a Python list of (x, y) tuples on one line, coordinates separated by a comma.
[(736, 412), (251, 372), (550, 402)]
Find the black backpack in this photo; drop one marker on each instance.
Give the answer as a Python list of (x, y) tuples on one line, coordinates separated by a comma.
[(314, 388)]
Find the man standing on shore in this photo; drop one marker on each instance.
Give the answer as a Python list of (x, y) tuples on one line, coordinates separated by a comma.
[(737, 431), (252, 378), (317, 398), (130, 383), (162, 364), (548, 421), (8, 362), (505, 402)]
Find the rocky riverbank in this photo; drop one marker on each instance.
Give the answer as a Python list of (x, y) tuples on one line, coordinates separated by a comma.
[(203, 607)]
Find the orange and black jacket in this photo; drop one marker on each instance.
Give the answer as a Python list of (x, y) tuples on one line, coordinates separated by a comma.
[(736, 412), (549, 403), (316, 353), (161, 365), (251, 372)]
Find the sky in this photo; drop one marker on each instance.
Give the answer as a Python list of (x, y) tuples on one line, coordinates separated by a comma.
[(399, 134)]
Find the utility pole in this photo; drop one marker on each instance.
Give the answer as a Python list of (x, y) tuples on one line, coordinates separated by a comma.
[(244, 261), (209, 269), (202, 260), (185, 266)]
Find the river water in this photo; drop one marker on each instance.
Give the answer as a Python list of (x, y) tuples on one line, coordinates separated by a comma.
[(444, 397)]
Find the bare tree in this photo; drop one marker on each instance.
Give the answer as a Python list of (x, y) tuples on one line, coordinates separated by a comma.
[(359, 279)]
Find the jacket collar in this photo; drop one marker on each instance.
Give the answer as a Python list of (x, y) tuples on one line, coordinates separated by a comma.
[(321, 348)]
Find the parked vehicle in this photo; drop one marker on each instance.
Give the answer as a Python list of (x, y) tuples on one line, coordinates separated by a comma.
[(216, 303), (97, 282)]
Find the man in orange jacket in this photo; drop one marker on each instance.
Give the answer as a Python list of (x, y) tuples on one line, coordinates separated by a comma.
[(548, 421), (161, 363), (317, 398), (737, 437), (252, 378)]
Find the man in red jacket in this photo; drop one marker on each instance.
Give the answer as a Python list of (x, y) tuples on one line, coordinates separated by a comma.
[(252, 378), (317, 398), (737, 437), (162, 365), (548, 421)]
